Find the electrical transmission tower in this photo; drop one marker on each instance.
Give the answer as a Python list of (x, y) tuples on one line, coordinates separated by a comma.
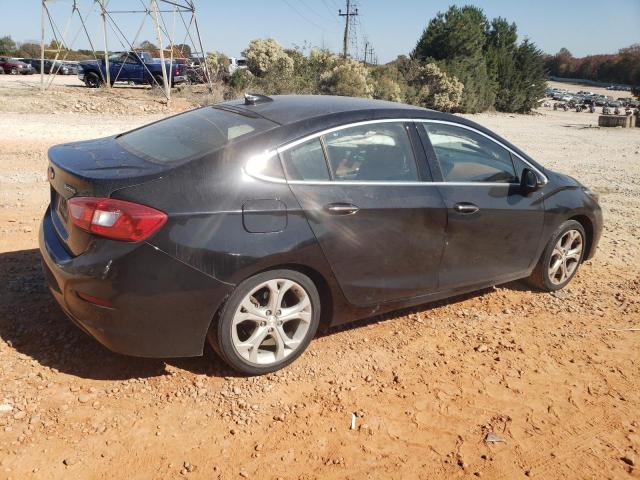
[(169, 19), (348, 16)]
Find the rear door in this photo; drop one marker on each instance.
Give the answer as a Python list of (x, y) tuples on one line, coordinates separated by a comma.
[(493, 228), (380, 226)]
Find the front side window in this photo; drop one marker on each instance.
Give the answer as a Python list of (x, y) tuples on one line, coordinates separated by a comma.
[(467, 156), (306, 162), (372, 152)]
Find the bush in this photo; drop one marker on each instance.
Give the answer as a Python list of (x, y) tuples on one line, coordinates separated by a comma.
[(385, 88), (349, 78), (265, 56), (433, 88), (218, 64)]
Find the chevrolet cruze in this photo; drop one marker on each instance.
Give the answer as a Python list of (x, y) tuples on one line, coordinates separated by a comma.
[(249, 223)]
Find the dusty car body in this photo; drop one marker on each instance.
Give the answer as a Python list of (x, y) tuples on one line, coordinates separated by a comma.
[(342, 208)]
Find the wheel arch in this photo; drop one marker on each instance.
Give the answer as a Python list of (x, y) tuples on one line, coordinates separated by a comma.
[(587, 224), (324, 291)]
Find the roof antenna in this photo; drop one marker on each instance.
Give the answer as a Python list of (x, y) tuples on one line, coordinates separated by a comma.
[(254, 99)]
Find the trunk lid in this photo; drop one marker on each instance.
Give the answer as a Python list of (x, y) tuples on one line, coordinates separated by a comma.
[(94, 168)]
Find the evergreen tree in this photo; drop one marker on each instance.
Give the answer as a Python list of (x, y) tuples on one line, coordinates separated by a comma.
[(456, 41), (501, 62), (532, 75)]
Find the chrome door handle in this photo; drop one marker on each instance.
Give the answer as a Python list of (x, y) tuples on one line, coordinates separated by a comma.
[(466, 208), (341, 208)]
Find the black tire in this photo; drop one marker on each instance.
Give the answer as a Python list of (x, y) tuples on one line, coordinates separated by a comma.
[(14, 71), (540, 278), (92, 80), (157, 81), (220, 333)]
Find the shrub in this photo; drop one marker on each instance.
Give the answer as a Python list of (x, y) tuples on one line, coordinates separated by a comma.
[(267, 55), (385, 88), (348, 78), (438, 90)]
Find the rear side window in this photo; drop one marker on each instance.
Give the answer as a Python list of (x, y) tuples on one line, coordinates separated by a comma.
[(467, 156), (372, 152), (191, 134), (306, 162)]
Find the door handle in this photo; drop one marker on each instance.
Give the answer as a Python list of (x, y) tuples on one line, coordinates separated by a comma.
[(341, 208), (466, 208)]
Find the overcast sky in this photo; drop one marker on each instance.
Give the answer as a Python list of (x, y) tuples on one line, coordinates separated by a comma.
[(392, 27)]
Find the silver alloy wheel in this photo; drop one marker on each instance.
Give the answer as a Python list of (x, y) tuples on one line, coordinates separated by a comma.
[(565, 257), (271, 321)]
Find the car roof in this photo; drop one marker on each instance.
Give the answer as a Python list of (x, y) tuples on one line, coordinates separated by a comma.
[(288, 109)]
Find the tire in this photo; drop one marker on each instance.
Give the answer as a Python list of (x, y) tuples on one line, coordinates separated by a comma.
[(256, 340), (157, 81), (92, 80), (564, 251), (14, 71)]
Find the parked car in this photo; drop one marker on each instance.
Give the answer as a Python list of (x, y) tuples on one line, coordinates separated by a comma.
[(15, 67), (51, 66), (248, 223), (237, 64), (132, 67)]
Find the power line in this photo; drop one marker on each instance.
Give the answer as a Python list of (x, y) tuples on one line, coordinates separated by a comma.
[(326, 5), (315, 12), (301, 15)]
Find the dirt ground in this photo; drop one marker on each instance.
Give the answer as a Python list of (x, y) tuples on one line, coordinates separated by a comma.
[(553, 377)]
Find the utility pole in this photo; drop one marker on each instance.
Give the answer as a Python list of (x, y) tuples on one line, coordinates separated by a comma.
[(347, 18)]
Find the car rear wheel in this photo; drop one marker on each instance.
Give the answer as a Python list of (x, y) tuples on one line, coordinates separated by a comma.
[(14, 71), (268, 321), (561, 257), (92, 80)]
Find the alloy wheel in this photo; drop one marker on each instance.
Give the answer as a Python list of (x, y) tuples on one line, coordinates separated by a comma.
[(271, 321), (565, 257)]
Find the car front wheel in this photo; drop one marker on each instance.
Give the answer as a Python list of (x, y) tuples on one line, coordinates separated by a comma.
[(267, 322), (561, 257), (92, 80)]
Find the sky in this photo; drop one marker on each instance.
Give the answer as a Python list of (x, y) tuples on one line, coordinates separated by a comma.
[(391, 27)]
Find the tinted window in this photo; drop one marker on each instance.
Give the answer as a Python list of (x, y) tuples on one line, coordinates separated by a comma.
[(306, 162), (191, 134), (374, 152), (466, 156)]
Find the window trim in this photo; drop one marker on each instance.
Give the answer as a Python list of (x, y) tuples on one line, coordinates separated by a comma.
[(405, 128), (436, 159), (294, 143)]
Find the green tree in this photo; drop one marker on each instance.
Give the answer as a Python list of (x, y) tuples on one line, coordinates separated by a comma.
[(500, 54), (456, 40), (7, 45), (531, 76), (29, 49)]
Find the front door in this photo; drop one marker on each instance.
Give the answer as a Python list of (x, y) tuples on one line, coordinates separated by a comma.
[(493, 229), (379, 225)]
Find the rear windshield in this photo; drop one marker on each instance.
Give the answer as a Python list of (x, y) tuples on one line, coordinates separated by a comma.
[(191, 134)]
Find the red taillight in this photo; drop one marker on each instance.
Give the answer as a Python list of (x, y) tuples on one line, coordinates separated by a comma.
[(177, 70), (115, 219)]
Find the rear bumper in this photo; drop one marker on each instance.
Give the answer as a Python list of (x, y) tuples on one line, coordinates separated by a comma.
[(160, 306), (179, 79)]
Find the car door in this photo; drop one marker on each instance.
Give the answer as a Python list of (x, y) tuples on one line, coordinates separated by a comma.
[(380, 226), (135, 68), (493, 227), (117, 68)]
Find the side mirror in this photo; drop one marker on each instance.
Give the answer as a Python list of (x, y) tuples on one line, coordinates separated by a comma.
[(530, 181)]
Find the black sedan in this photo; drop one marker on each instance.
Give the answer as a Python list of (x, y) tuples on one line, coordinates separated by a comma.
[(250, 223)]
